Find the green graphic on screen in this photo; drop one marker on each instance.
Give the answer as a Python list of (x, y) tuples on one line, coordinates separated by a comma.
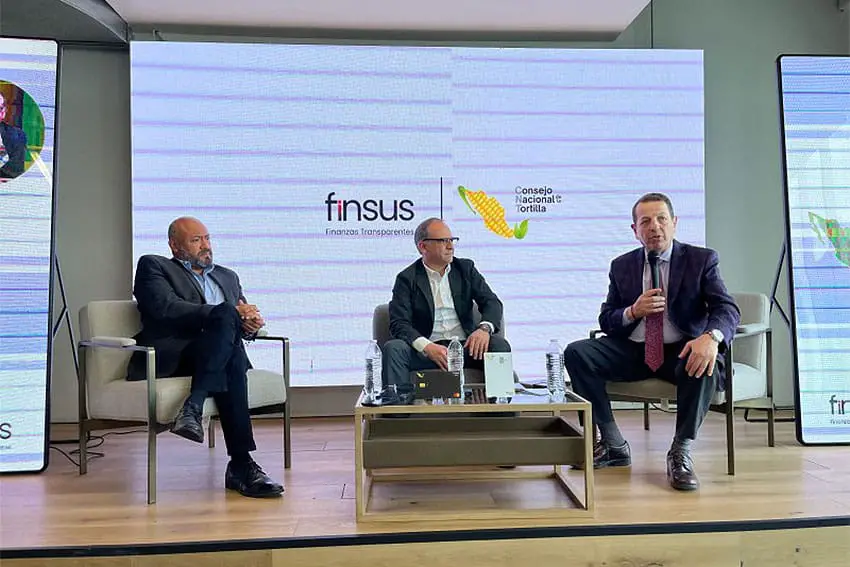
[(830, 230)]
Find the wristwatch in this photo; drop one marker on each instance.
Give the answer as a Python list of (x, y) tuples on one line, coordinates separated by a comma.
[(485, 328), (716, 335)]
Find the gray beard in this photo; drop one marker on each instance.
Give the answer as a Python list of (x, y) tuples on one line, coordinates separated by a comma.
[(195, 261)]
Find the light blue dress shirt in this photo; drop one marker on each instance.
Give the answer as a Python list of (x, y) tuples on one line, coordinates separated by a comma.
[(212, 291)]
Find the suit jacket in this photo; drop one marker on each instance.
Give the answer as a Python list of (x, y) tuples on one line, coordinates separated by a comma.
[(173, 309), (14, 140), (697, 300), (412, 305)]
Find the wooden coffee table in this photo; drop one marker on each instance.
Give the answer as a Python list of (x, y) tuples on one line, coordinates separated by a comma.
[(430, 448)]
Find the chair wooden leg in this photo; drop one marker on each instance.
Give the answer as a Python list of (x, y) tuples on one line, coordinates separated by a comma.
[(730, 435), (287, 408), (646, 416), (211, 433), (82, 413), (83, 433), (729, 407), (152, 424), (287, 437), (771, 420), (771, 413)]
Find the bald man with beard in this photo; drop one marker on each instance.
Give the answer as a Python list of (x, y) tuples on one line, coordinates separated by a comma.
[(195, 314)]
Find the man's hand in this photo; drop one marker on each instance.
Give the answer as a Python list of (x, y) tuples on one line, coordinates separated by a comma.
[(651, 301), (246, 310), (253, 324), (702, 355), (438, 354), (252, 321), (477, 343)]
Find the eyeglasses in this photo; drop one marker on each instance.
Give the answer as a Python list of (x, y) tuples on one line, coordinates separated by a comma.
[(443, 241)]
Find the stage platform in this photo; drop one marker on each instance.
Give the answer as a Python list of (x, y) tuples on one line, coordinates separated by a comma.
[(788, 505)]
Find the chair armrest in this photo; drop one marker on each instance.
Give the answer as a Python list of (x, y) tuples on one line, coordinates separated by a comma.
[(262, 335), (751, 330), (271, 338), (117, 343), (114, 342)]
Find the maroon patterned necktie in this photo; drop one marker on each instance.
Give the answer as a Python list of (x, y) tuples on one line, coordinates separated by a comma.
[(654, 331), (654, 342)]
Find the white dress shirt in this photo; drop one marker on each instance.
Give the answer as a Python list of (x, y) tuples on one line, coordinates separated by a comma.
[(446, 322), (672, 333)]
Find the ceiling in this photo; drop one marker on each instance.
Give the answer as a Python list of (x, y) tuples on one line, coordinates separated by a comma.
[(114, 21), (601, 19), (63, 20)]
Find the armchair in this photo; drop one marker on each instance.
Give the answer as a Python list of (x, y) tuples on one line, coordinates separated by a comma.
[(750, 380), (107, 400)]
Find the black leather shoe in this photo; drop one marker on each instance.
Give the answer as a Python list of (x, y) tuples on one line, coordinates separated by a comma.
[(250, 480), (187, 424), (680, 471), (605, 456)]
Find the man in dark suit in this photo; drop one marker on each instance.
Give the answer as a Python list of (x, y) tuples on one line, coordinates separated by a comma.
[(676, 331), (195, 315), (432, 302), (13, 147)]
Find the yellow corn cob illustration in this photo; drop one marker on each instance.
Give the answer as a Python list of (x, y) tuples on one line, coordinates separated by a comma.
[(492, 212)]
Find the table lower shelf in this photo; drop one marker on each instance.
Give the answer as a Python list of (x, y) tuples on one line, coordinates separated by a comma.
[(445, 468), (459, 441), (436, 494)]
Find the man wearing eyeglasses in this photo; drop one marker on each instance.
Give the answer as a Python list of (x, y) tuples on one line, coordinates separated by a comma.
[(433, 302)]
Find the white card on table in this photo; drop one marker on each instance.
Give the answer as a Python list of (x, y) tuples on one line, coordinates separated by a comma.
[(498, 374)]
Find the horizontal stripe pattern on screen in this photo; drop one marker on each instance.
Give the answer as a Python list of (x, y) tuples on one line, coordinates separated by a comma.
[(262, 142), (816, 118)]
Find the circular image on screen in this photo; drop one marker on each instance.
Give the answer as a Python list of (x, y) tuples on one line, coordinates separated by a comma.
[(21, 131)]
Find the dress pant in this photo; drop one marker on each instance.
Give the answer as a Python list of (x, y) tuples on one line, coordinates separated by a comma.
[(591, 363), (218, 364), (400, 359)]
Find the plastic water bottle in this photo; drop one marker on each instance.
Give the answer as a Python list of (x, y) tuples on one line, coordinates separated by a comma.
[(373, 384), (555, 370), (455, 362)]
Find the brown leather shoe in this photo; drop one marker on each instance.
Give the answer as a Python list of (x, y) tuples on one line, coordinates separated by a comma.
[(680, 470)]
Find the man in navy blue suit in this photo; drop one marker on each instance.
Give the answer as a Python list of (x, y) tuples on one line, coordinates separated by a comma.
[(675, 331)]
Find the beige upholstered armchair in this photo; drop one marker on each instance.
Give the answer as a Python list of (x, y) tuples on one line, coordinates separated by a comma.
[(751, 379), (107, 400)]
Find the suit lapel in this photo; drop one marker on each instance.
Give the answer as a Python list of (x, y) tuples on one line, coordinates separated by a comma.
[(676, 272), (638, 263), (424, 286), (190, 277), (456, 285)]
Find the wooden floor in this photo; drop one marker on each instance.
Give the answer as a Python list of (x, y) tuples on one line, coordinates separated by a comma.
[(107, 506)]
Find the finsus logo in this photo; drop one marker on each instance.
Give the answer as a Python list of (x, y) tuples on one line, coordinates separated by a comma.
[(368, 210), (838, 407), (5, 430)]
